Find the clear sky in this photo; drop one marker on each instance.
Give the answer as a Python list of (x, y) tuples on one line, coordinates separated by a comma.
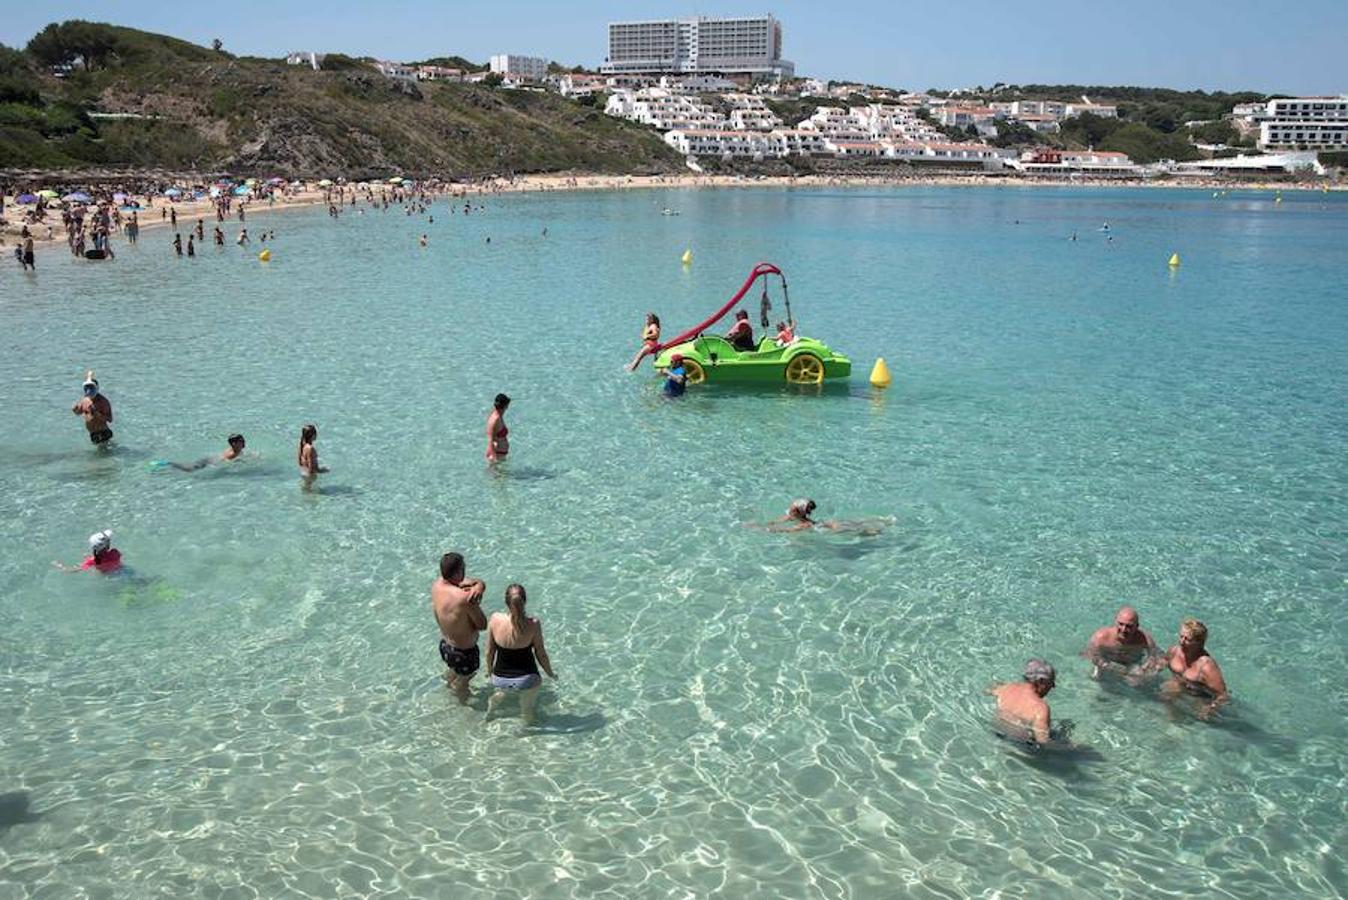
[(1206, 44)]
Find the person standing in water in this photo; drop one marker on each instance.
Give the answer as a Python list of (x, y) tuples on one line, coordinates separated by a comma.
[(676, 377), (498, 435), (307, 456), (515, 650), (1021, 707), (96, 410), (456, 602), (1195, 671)]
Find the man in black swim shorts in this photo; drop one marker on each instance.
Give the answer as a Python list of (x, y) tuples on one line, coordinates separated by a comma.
[(96, 410), (456, 602)]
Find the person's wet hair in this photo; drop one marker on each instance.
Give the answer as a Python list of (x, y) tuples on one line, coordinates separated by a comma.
[(501, 402), (235, 439), (515, 599), (451, 566)]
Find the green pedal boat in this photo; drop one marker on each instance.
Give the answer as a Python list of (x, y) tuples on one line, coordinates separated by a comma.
[(712, 359)]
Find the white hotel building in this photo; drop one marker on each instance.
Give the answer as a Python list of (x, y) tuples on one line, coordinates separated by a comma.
[(1302, 123), (748, 46), (534, 68)]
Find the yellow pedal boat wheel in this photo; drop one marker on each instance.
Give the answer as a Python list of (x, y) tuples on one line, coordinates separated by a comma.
[(693, 372), (805, 369)]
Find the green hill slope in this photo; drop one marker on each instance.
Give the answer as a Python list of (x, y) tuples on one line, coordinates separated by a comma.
[(147, 100)]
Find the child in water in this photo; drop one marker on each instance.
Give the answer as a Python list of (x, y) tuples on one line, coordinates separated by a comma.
[(650, 341), (102, 557)]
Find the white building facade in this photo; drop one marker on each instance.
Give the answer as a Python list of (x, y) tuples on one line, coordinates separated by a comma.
[(750, 46), (1303, 123), (533, 68)]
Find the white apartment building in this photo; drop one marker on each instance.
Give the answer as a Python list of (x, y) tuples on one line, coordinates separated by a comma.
[(533, 68), (798, 142), (717, 142), (1103, 110), (747, 46), (663, 109), (1303, 123), (580, 85)]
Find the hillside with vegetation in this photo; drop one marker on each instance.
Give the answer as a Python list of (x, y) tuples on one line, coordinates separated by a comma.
[(85, 95)]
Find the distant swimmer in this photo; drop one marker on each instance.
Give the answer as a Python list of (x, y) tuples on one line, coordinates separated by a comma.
[(1022, 713), (423, 240), (191, 247), (96, 410), (178, 244), (234, 449), (456, 602), (1195, 671), (1104, 227), (307, 455), (799, 517), (515, 651), (498, 435), (219, 237), (243, 237), (102, 557), (1122, 647), (650, 341)]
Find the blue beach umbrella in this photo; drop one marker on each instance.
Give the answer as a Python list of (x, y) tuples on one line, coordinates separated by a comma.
[(26, 198), (240, 191), (173, 192), (77, 197)]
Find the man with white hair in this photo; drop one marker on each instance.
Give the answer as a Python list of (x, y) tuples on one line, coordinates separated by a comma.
[(1021, 706)]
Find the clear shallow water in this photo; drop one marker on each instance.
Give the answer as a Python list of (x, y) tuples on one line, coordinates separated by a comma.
[(738, 714)]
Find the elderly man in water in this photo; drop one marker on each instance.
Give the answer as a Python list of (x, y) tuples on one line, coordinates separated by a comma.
[(1121, 648), (1020, 705)]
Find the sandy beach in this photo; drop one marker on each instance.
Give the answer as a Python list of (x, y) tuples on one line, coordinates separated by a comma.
[(153, 216)]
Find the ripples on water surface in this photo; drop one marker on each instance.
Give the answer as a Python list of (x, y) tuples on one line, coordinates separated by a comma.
[(259, 712)]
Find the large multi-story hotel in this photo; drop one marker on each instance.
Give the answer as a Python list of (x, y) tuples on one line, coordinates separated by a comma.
[(749, 46), (1296, 123)]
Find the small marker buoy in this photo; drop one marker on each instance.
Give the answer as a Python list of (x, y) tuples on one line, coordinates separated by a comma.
[(687, 257), (264, 256), (880, 373), (1174, 260)]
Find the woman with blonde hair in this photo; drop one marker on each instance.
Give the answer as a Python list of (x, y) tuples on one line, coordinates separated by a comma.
[(1195, 671), (515, 650)]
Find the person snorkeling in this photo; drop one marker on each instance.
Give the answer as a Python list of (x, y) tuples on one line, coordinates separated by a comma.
[(102, 558), (96, 410)]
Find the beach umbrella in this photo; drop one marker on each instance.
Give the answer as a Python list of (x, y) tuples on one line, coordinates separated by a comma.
[(49, 194), (250, 181), (119, 196), (240, 191), (276, 181), (173, 192), (215, 192), (77, 197), (326, 182), (396, 179), (26, 198)]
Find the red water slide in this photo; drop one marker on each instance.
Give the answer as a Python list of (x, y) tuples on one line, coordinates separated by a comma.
[(759, 271)]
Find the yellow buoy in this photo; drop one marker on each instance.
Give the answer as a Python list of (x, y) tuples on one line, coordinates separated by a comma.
[(880, 373), (1174, 260), (687, 257), (264, 256)]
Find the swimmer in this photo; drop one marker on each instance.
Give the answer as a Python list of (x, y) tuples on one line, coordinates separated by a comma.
[(650, 341), (514, 653), (498, 435), (1020, 705), (676, 377), (1122, 647), (423, 240), (1195, 671), (243, 236), (232, 452), (307, 455), (178, 244), (102, 557), (96, 410), (456, 602)]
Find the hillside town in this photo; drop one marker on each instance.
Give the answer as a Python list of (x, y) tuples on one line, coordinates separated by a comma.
[(709, 85)]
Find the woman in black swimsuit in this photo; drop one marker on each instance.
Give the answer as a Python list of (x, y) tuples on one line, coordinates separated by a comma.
[(514, 652)]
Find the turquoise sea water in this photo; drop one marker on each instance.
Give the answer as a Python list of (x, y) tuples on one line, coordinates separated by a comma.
[(259, 711)]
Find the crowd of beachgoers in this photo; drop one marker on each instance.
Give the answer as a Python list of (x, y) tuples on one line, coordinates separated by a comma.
[(515, 653)]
